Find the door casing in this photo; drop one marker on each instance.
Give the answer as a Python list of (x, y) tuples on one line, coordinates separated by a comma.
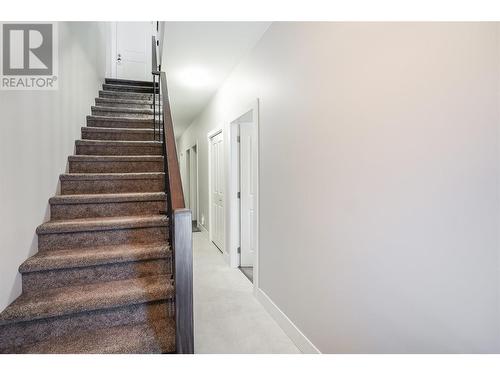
[(233, 204), (210, 137), (113, 50)]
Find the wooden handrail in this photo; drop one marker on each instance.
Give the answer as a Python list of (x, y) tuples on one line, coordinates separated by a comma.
[(180, 222), (154, 58), (174, 173)]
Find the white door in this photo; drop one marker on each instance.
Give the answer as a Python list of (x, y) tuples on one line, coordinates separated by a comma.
[(133, 50), (248, 189), (186, 177), (193, 183), (217, 190)]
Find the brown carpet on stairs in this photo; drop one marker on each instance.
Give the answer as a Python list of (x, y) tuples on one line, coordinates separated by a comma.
[(101, 281)]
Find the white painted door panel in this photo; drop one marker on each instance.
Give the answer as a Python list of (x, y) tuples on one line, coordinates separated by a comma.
[(248, 186), (217, 181), (193, 183), (133, 50)]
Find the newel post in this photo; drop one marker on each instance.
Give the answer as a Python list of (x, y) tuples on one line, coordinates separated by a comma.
[(183, 255)]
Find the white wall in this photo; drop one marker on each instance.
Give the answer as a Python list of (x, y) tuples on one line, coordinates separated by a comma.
[(37, 133), (379, 181)]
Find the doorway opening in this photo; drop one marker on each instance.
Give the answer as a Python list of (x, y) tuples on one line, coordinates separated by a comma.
[(130, 50), (217, 189), (244, 170), (191, 194)]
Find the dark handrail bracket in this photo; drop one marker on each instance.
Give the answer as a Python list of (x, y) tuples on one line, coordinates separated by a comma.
[(179, 215)]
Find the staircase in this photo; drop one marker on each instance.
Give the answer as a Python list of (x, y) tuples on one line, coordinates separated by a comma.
[(101, 281)]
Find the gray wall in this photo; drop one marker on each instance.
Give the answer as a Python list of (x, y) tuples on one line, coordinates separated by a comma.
[(37, 133), (379, 181)]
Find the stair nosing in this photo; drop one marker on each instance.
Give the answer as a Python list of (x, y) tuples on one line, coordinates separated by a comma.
[(127, 87), (90, 129), (140, 119), (115, 158), (118, 119), (94, 340), (142, 83), (86, 302), (118, 143), (106, 198), (101, 224), (111, 176), (68, 259), (100, 108), (124, 93), (126, 101)]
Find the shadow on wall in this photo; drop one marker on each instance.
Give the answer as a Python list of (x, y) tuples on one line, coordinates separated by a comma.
[(33, 249)]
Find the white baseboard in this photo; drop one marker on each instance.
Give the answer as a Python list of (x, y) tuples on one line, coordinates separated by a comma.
[(295, 334)]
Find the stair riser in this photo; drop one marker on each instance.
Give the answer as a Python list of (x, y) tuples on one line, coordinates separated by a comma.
[(131, 236), (115, 166), (12, 336), (81, 211), (123, 88), (98, 123), (39, 281), (125, 95), (118, 136), (117, 81), (117, 150), (104, 103), (99, 112), (150, 185)]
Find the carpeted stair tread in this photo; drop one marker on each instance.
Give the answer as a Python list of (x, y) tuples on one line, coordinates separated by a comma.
[(89, 297), (95, 142), (120, 119), (155, 337), (101, 223), (126, 94), (123, 110), (74, 258), (90, 129), (107, 198), (128, 118), (114, 158), (101, 281), (128, 82), (124, 101), (128, 88), (110, 176), (117, 130)]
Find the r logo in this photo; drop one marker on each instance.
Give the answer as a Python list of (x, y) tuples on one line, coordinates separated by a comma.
[(27, 49)]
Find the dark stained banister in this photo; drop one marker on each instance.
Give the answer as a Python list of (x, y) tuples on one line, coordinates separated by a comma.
[(180, 217)]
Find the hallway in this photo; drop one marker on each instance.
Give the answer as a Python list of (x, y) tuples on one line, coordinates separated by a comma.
[(228, 318)]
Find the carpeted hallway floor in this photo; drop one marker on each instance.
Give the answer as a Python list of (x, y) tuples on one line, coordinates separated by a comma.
[(227, 317)]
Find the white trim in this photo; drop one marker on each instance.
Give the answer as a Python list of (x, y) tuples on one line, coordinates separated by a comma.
[(292, 331), (202, 228), (210, 135), (231, 183), (195, 144), (232, 200), (113, 47), (197, 183)]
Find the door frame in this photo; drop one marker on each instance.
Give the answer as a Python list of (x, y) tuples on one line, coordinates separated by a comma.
[(233, 204), (111, 56), (112, 48), (186, 149), (210, 135)]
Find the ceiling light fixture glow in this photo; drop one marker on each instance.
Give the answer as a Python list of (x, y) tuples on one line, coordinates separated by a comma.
[(195, 77)]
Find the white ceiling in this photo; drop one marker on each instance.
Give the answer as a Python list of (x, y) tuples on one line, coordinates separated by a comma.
[(197, 58)]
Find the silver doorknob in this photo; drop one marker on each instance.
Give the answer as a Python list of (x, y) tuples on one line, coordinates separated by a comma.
[(119, 57)]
